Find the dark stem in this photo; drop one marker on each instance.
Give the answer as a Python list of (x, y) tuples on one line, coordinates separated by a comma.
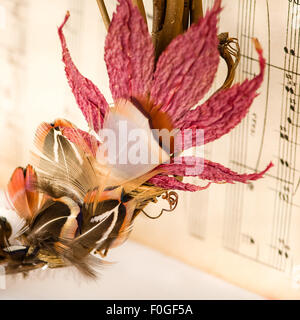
[(186, 15), (172, 23), (159, 11), (196, 10)]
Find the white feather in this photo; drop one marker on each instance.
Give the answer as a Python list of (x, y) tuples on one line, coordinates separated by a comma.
[(124, 122)]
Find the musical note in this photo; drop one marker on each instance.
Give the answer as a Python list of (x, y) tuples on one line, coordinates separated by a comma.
[(248, 239), (284, 162), (289, 89), (283, 133), (291, 51), (283, 249)]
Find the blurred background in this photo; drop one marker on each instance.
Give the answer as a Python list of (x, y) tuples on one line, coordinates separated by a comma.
[(33, 87)]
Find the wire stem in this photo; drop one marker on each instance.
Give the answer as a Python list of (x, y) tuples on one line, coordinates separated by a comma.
[(104, 14)]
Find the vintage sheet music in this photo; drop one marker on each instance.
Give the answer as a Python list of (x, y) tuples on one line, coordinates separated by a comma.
[(249, 234), (246, 234)]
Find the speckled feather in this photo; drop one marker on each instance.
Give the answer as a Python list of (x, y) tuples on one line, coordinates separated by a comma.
[(82, 138)]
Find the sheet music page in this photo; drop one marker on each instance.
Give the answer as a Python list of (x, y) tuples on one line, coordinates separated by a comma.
[(249, 234), (246, 234)]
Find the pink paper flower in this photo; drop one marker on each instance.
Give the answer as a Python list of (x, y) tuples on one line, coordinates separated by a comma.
[(168, 90)]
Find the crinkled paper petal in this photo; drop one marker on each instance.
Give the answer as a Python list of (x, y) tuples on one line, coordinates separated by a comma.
[(89, 99), (186, 69), (129, 53), (171, 183), (223, 111), (208, 170)]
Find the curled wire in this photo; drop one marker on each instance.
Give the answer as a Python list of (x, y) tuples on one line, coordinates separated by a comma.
[(172, 198), (229, 50)]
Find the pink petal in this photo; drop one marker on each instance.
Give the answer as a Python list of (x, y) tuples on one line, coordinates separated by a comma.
[(223, 111), (208, 170), (171, 183), (83, 139), (129, 53), (186, 69), (89, 99)]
